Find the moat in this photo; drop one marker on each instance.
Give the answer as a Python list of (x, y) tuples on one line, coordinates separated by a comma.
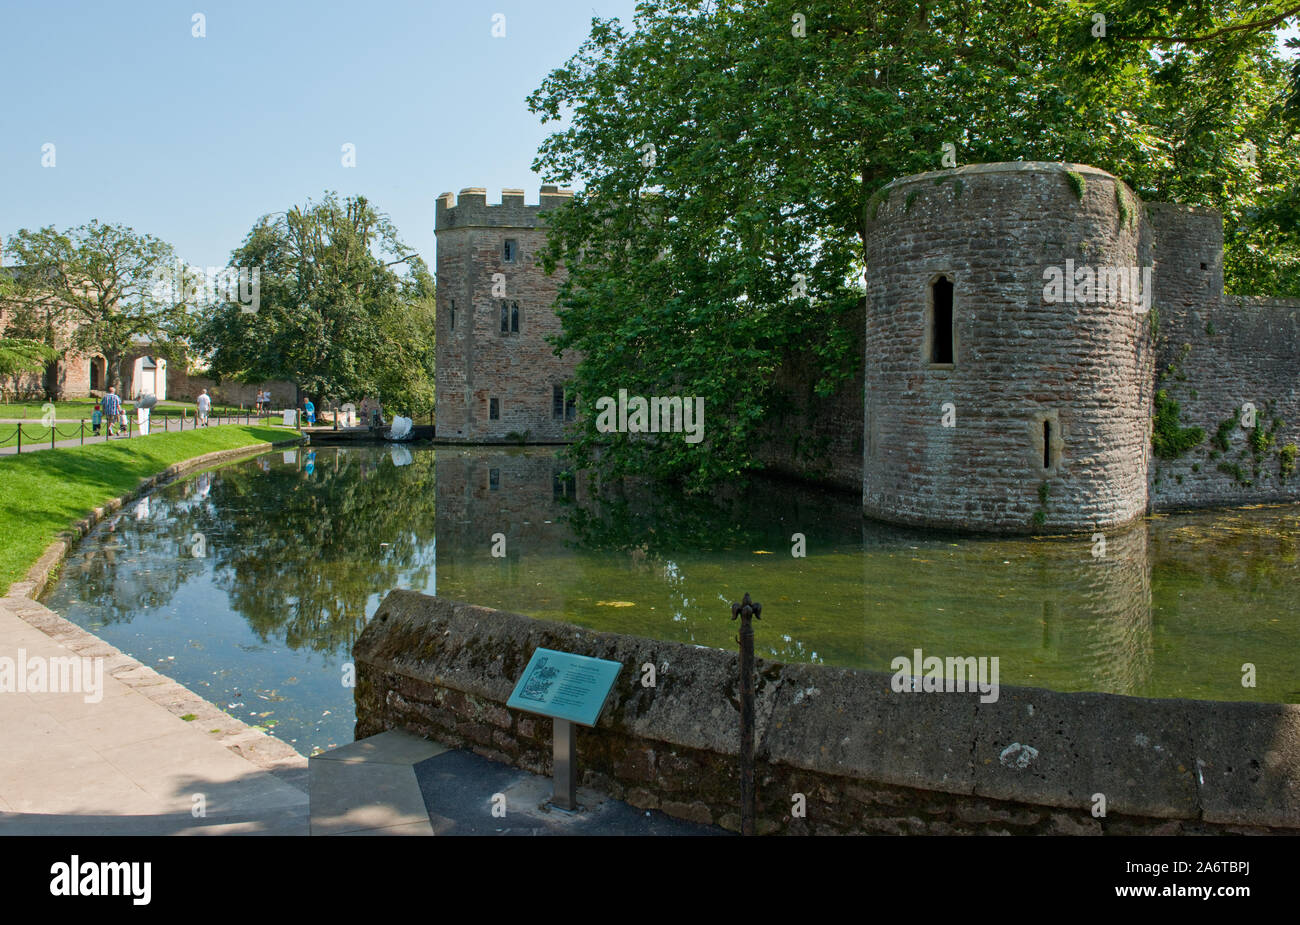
[(250, 583)]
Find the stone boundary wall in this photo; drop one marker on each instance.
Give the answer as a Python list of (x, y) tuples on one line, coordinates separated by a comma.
[(265, 751), (866, 759), (182, 386), (1214, 359)]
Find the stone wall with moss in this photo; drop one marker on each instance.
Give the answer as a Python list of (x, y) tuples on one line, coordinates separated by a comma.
[(1227, 419), (858, 756)]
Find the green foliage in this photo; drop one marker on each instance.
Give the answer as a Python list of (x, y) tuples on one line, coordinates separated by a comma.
[(90, 289), (1261, 440), (1223, 435), (1121, 204), (1238, 474), (335, 317), (911, 197), (1043, 491), (1286, 460), (1209, 328), (957, 187), (770, 149), (1077, 183), (19, 355), (1169, 439)]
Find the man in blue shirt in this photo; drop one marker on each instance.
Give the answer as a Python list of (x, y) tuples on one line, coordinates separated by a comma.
[(112, 408)]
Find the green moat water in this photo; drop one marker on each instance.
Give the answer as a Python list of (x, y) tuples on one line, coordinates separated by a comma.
[(298, 548)]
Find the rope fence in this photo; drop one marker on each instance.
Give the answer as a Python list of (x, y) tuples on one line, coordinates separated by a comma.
[(22, 435)]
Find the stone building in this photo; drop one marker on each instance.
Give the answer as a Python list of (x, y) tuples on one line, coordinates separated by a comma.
[(497, 377), (1027, 329), (1029, 325)]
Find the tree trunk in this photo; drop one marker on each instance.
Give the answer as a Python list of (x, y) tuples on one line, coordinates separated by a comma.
[(113, 370), (50, 381)]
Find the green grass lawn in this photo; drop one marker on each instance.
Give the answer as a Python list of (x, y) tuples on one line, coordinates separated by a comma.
[(43, 494), (78, 408)]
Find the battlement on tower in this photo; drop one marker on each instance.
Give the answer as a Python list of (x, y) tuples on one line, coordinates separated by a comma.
[(471, 209)]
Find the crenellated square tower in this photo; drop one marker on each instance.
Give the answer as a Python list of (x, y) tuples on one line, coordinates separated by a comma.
[(497, 377)]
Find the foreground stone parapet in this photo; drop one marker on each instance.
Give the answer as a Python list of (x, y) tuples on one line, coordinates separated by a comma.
[(861, 757)]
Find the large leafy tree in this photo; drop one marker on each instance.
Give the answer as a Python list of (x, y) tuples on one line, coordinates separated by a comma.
[(727, 152), (334, 315), (19, 355), (90, 289)]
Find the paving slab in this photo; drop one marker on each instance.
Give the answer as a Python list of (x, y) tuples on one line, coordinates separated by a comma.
[(122, 760)]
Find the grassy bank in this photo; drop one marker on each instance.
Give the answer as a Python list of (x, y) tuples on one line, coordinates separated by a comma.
[(43, 494)]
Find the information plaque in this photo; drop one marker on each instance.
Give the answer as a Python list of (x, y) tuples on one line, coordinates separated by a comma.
[(564, 686)]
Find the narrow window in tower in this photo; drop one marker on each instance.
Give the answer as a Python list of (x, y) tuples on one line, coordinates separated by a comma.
[(941, 315), (494, 479), (514, 317), (453, 314), (509, 250), (505, 317), (1047, 444), (557, 401), (571, 407), (494, 409)]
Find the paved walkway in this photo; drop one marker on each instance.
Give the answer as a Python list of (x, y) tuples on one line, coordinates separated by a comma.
[(125, 761), (143, 755), (173, 425), (400, 784)]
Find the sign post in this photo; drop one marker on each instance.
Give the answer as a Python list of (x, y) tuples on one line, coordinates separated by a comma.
[(572, 690)]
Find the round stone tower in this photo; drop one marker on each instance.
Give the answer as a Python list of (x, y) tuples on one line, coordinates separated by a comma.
[(1008, 379)]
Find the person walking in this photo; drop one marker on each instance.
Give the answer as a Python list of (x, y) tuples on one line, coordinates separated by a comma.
[(96, 420), (112, 408), (309, 411), (203, 404)]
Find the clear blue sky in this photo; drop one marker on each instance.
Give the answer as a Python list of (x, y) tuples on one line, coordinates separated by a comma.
[(191, 139)]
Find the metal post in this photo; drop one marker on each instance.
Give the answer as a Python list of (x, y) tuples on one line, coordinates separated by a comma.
[(83, 431), (20, 436), (54, 429), (565, 766), (746, 610)]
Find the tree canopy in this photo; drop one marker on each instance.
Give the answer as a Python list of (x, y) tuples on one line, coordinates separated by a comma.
[(88, 289), (333, 314), (727, 150)]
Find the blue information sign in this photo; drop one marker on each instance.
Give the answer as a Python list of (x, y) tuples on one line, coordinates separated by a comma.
[(564, 686)]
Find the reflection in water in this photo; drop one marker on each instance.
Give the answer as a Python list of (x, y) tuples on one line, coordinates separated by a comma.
[(251, 583)]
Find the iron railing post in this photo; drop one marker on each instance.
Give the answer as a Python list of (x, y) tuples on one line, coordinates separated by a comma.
[(746, 610)]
